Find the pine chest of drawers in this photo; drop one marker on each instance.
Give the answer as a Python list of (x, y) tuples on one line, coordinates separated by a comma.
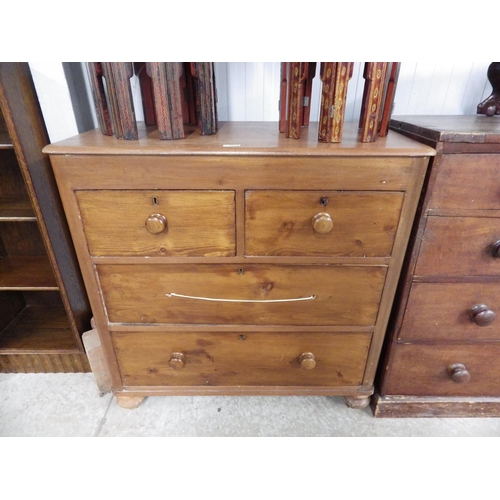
[(442, 356), (240, 263)]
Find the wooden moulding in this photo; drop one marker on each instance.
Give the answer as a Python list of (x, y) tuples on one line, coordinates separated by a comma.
[(377, 102), (174, 95), (166, 91), (120, 102), (374, 75), (206, 107), (99, 96), (378, 99), (335, 77), (295, 96), (391, 82)]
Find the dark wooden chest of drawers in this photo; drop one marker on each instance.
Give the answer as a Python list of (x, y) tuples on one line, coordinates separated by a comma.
[(442, 354), (240, 263)]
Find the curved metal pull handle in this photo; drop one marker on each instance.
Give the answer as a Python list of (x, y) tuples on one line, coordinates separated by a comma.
[(311, 297)]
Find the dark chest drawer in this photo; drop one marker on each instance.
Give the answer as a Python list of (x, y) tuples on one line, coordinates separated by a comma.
[(467, 181)]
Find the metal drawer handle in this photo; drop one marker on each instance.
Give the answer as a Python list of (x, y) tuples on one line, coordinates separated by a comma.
[(311, 297)]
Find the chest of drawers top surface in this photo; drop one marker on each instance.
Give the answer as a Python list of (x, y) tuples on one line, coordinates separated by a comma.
[(474, 129), (240, 138)]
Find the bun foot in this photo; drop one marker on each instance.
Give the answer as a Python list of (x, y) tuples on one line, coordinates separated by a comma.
[(129, 402), (358, 402)]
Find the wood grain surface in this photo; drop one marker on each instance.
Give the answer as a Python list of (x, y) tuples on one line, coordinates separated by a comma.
[(198, 223), (344, 295), (280, 223), (423, 370), (235, 359), (459, 246), (447, 309)]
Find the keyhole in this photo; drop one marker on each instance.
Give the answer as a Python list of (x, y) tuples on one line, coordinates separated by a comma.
[(324, 201), (240, 271), (155, 200)]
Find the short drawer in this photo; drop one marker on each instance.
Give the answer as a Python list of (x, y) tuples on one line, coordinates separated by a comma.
[(314, 223), (444, 370), (218, 359), (452, 311), (460, 246), (467, 182), (158, 222), (242, 294)]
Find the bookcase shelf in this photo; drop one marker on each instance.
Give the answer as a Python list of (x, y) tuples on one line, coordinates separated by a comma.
[(43, 304)]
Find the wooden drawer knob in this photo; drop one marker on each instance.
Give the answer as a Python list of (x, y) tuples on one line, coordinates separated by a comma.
[(482, 315), (156, 223), (459, 373), (177, 361), (495, 249), (307, 360), (322, 223)]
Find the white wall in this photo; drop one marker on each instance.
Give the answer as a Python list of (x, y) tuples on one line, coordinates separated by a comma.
[(55, 99), (249, 91)]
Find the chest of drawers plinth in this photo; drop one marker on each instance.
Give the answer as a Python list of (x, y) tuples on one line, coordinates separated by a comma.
[(240, 263)]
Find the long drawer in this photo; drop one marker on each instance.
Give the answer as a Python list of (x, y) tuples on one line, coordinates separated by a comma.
[(242, 294), (158, 222), (218, 359), (430, 370), (321, 223), (452, 312)]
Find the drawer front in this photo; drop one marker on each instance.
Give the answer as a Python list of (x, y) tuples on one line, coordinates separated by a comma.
[(314, 223), (212, 359), (448, 311), (262, 294), (467, 181), (460, 246), (158, 222), (430, 370)]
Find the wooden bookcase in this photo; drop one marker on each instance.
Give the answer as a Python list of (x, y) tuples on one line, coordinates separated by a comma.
[(43, 304)]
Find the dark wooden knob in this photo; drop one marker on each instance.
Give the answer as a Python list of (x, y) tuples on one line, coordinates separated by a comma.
[(495, 249), (322, 223), (177, 361), (459, 373), (482, 315), (307, 360), (156, 223)]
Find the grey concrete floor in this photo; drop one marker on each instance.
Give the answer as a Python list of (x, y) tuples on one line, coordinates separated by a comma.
[(69, 405)]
